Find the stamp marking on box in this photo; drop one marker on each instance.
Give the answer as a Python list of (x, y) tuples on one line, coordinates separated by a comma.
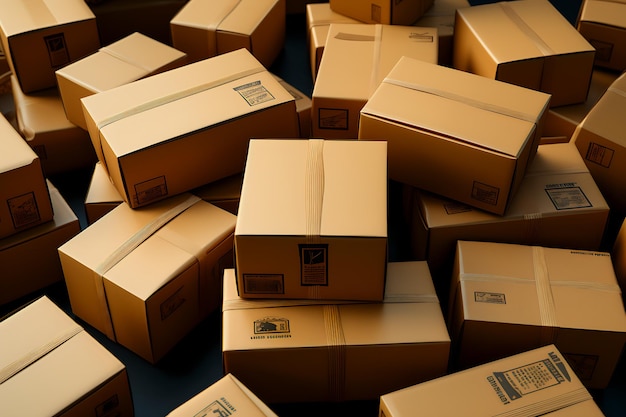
[(567, 196), (24, 210), (216, 408), (149, 190), (57, 50), (263, 283), (599, 154), (485, 193), (254, 93), (336, 119), (489, 297), (313, 264)]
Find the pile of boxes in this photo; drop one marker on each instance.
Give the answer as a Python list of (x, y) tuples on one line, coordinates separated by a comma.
[(217, 187)]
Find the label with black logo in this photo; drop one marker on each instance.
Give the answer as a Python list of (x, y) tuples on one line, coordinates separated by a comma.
[(313, 264), (153, 189), (57, 50), (336, 119), (24, 210)]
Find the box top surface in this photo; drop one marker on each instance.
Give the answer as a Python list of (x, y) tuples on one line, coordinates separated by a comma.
[(19, 17), (605, 12), (320, 14), (606, 117), (14, 151)]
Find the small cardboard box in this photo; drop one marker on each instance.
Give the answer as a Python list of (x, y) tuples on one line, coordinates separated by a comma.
[(301, 229), (313, 350), (29, 259), (53, 367), (507, 298), (387, 12), (146, 277), (356, 59), (303, 107), (203, 113), (41, 36), (527, 43), (23, 190), (474, 142), (222, 398), (603, 24), (129, 59), (204, 29), (532, 383)]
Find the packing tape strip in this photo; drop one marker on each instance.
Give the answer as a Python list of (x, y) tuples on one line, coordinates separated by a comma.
[(543, 47), (336, 352), (531, 225), (378, 36), (314, 189), (125, 58), (222, 14)]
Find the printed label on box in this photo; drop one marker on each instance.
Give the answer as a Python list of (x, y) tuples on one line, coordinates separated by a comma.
[(422, 37), (216, 408), (313, 264), (263, 283), (57, 50), (583, 365), (254, 93), (271, 325), (567, 196), (24, 210), (153, 189), (171, 304), (109, 407), (376, 13), (454, 207), (336, 119), (485, 193), (489, 297), (599, 154)]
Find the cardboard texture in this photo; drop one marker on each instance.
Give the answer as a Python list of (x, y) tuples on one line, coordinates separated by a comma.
[(532, 383), (129, 59), (203, 113), (356, 60), (472, 144), (146, 277), (508, 298), (618, 255), (301, 228), (40, 345), (204, 28), (389, 12), (303, 107), (41, 36), (313, 350), (603, 24), (527, 43)]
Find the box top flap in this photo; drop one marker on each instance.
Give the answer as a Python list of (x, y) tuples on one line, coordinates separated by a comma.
[(143, 51), (606, 118), (27, 15), (605, 12), (204, 14), (101, 189), (247, 16), (14, 151), (320, 14)]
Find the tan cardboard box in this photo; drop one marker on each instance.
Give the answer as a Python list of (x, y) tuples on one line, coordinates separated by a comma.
[(23, 189), (129, 59), (456, 148), (303, 107), (618, 254), (203, 113), (39, 37), (528, 43), (356, 60), (532, 383), (53, 367), (603, 24), (508, 298), (146, 277), (313, 350), (204, 28), (224, 397), (301, 229), (386, 12), (41, 121)]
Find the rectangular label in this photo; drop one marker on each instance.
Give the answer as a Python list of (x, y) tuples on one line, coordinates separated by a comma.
[(567, 196), (263, 283), (57, 50), (313, 264), (485, 193), (489, 297), (599, 154), (214, 409), (171, 304), (254, 93), (336, 119), (24, 210), (150, 190)]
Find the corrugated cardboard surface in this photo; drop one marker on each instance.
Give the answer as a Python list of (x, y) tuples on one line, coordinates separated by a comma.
[(603, 24), (382, 11)]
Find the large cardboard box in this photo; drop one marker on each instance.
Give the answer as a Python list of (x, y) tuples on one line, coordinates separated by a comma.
[(203, 113), (311, 350), (302, 230), (29, 259), (386, 12), (528, 43), (53, 367), (603, 24), (474, 142), (205, 28), (508, 298), (129, 59), (532, 383), (23, 189), (618, 255), (356, 60), (146, 277), (42, 36)]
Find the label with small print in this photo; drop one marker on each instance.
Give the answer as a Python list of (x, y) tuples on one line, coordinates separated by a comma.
[(485, 193), (254, 93), (24, 210), (599, 154), (313, 264), (567, 196), (57, 50), (263, 283), (489, 297), (150, 190), (336, 119)]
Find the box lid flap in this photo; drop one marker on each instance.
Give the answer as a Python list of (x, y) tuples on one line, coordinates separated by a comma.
[(609, 12), (24, 16), (606, 118)]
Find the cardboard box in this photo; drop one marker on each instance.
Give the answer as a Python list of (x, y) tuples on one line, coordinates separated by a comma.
[(356, 60), (301, 229), (204, 29), (603, 24), (129, 59), (508, 298), (618, 254), (146, 277), (303, 107), (455, 149), (23, 189), (386, 12), (203, 113), (39, 37), (527, 43), (60, 144), (42, 344), (532, 383), (223, 397), (313, 350)]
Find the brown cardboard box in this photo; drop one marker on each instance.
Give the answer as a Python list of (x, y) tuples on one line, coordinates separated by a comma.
[(532, 383), (303, 107), (313, 350), (60, 144), (224, 397), (203, 113), (42, 36), (129, 59), (356, 59), (618, 254), (528, 43), (386, 12), (302, 231), (508, 298), (146, 277), (23, 189), (204, 29), (456, 148), (603, 24), (53, 367), (600, 140)]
